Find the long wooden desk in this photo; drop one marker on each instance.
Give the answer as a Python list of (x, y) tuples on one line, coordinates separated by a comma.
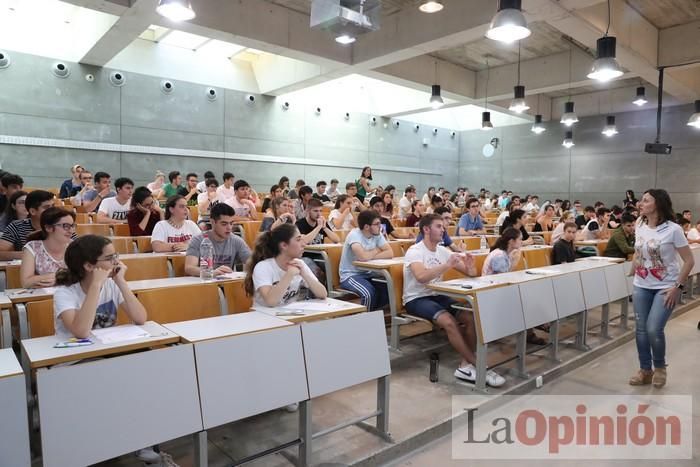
[(14, 429)]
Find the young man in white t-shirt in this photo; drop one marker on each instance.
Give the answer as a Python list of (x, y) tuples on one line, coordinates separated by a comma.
[(426, 262), (409, 195), (597, 229), (241, 203), (114, 210), (226, 190)]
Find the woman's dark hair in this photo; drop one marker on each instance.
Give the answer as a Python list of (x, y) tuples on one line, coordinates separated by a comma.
[(274, 188), (512, 218), (362, 174), (11, 208), (339, 201), (139, 195), (436, 199), (629, 196), (414, 203), (664, 207), (267, 246), (566, 205), (49, 217), (508, 234), (85, 249), (170, 203), (282, 181)]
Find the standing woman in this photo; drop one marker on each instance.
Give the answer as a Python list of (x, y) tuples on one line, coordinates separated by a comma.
[(43, 254), (658, 282), (630, 199), (15, 209), (363, 186), (275, 273), (144, 214), (284, 185)]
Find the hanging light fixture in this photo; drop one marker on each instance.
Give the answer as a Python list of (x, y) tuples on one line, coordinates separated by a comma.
[(610, 128), (605, 67), (568, 142), (538, 127), (175, 10), (486, 124), (695, 118), (518, 104), (509, 23), (436, 95), (569, 117), (431, 6), (641, 97)]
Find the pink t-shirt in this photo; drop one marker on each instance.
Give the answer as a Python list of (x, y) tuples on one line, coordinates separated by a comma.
[(44, 263)]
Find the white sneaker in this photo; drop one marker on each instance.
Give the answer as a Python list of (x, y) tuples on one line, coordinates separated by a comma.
[(494, 380), (166, 460), (148, 455), (466, 373), (292, 407)]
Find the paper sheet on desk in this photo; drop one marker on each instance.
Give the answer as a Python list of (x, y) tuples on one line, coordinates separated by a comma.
[(310, 305), (118, 334)]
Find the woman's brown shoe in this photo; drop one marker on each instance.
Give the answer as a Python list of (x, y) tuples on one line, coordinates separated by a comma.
[(642, 378), (659, 378)]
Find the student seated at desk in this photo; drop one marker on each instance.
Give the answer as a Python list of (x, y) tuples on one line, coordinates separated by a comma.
[(241, 202), (446, 217), (563, 250), (426, 262), (377, 204), (341, 217), (545, 222), (365, 243), (91, 289), (516, 221), (43, 254), (114, 210), (597, 228), (314, 227), (505, 255), (229, 249), (471, 223), (621, 243), (280, 212), (175, 232), (275, 273), (145, 212), (559, 229), (15, 235)]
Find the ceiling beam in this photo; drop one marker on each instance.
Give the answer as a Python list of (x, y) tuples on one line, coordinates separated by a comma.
[(674, 44), (113, 7)]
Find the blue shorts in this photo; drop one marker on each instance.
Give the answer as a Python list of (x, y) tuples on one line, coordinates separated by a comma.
[(431, 307)]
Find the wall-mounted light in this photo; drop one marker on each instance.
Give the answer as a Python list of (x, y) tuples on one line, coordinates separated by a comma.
[(117, 78), (345, 39), (453, 134), (435, 131), (431, 6), (416, 128), (509, 23), (641, 98), (538, 127), (4, 59), (610, 128), (166, 86), (694, 120), (396, 124), (568, 142), (175, 10), (486, 124), (569, 117)]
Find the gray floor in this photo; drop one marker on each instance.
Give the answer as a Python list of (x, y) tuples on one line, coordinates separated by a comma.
[(606, 375)]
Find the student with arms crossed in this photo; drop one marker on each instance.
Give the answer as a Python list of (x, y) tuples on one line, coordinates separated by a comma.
[(229, 249), (563, 250), (275, 273), (115, 210), (43, 254), (144, 214), (365, 243), (425, 263), (175, 232)]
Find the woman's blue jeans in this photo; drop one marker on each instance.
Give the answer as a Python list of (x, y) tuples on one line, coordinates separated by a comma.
[(651, 316)]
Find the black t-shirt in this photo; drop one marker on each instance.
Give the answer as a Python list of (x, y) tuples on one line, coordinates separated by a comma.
[(3, 203), (387, 228), (322, 198), (581, 221), (305, 228), (593, 226), (563, 252)]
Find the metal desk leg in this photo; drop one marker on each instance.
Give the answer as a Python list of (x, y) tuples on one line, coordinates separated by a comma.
[(521, 348), (396, 321), (383, 405), (223, 305), (23, 321), (691, 285), (201, 452), (605, 321), (6, 337), (3, 281), (624, 316), (481, 350), (305, 433), (581, 331), (554, 339)]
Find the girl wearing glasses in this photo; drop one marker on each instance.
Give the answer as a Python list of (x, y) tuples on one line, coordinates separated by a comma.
[(43, 254), (93, 287)]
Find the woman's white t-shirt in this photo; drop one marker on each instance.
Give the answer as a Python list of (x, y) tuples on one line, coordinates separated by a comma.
[(268, 272), (335, 214), (165, 232), (72, 297), (656, 261)]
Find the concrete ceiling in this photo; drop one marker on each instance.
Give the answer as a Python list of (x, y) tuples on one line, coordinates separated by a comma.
[(667, 13), (389, 7), (620, 83)]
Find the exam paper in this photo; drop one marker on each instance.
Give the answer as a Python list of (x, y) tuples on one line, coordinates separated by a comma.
[(114, 335), (311, 305)]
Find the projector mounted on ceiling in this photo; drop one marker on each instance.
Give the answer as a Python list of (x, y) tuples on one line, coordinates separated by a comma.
[(346, 17)]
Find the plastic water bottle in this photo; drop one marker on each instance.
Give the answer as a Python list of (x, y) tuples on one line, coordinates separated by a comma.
[(206, 259), (483, 245), (434, 367)]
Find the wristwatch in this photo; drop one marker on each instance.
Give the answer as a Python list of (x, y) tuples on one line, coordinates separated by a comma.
[(679, 286)]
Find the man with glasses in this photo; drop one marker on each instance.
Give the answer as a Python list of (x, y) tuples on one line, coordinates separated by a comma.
[(190, 191), (229, 249), (365, 243), (115, 210), (15, 235), (470, 223)]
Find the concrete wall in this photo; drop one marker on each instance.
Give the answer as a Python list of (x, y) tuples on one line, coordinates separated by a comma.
[(597, 168), (135, 129)]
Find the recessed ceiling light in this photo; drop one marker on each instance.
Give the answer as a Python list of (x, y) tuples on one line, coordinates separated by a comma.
[(431, 6)]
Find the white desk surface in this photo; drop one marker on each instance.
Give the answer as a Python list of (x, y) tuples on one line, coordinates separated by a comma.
[(41, 352), (379, 263), (536, 247), (224, 326), (151, 255), (335, 308), (5, 264), (602, 258), (9, 366), (590, 242)]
